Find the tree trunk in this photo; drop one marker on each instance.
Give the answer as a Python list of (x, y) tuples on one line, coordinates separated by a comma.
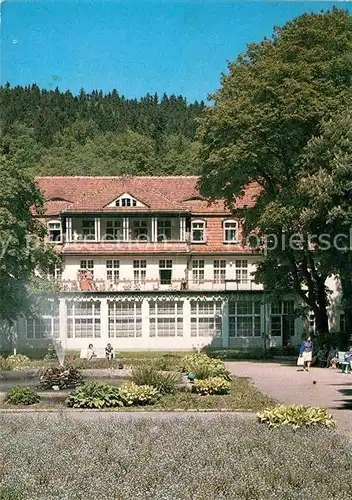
[(320, 311), (321, 320)]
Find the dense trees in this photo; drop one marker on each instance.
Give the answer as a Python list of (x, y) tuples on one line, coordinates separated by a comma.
[(271, 104), (57, 133)]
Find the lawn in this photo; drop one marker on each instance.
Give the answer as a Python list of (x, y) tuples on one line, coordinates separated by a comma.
[(180, 458)]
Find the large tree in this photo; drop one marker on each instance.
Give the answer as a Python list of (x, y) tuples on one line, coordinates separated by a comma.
[(23, 254), (271, 103), (325, 189)]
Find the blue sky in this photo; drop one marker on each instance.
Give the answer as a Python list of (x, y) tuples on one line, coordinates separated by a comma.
[(135, 46)]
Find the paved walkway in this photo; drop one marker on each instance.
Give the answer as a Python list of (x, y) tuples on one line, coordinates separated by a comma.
[(331, 390)]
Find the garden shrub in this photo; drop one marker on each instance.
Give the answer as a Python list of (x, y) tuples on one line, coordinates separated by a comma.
[(18, 362), (295, 416), (51, 354), (95, 395), (21, 396), (63, 377), (214, 385), (165, 383), (167, 362), (4, 364), (204, 366), (132, 394)]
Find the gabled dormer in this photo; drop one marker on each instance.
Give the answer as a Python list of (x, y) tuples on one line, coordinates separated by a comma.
[(126, 200)]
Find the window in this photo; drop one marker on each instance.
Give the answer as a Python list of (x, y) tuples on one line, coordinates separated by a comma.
[(139, 230), (198, 271), (282, 321), (113, 270), (230, 231), (139, 270), (126, 202), (88, 229), (242, 271), (46, 327), (198, 231), (244, 319), (125, 319), (219, 271), (164, 230), (114, 230), (88, 265), (54, 228), (206, 319), (57, 273), (83, 319), (165, 272), (311, 323), (166, 319)]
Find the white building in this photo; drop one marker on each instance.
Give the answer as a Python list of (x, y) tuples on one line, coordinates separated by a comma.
[(147, 263)]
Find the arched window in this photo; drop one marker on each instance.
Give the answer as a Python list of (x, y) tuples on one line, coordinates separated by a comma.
[(198, 231), (230, 231)]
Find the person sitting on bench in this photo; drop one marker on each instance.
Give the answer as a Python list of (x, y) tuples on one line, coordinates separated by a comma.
[(90, 352)]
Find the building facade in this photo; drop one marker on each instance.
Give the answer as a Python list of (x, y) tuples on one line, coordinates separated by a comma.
[(147, 263)]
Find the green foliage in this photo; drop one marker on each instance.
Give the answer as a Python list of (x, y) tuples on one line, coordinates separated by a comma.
[(138, 395), (51, 354), (210, 386), (22, 396), (60, 376), (204, 366), (271, 104), (22, 251), (54, 133), (95, 395), (296, 416), (165, 383), (18, 362)]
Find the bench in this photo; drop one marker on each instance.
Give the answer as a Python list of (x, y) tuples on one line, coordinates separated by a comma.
[(344, 365), (98, 351)]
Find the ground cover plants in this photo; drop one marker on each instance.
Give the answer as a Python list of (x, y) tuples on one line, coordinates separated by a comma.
[(177, 457)]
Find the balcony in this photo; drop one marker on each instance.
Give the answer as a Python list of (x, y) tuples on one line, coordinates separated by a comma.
[(100, 285), (125, 230)]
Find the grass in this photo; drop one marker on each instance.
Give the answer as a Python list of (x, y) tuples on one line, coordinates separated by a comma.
[(174, 458), (243, 396)]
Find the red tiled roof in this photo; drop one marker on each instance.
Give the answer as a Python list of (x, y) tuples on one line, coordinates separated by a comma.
[(93, 194)]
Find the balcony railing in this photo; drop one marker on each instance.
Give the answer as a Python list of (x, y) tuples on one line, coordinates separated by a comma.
[(100, 285)]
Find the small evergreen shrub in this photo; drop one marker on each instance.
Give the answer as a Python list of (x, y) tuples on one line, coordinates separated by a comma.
[(132, 394), (210, 386), (22, 396), (60, 376), (165, 383), (296, 416), (204, 366), (95, 395), (51, 354)]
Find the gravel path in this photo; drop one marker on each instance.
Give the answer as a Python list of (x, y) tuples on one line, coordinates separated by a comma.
[(331, 390)]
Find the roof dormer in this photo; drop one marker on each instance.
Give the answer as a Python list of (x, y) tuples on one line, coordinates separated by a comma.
[(126, 201)]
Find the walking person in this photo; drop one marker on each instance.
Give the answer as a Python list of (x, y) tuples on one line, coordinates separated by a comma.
[(306, 353)]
